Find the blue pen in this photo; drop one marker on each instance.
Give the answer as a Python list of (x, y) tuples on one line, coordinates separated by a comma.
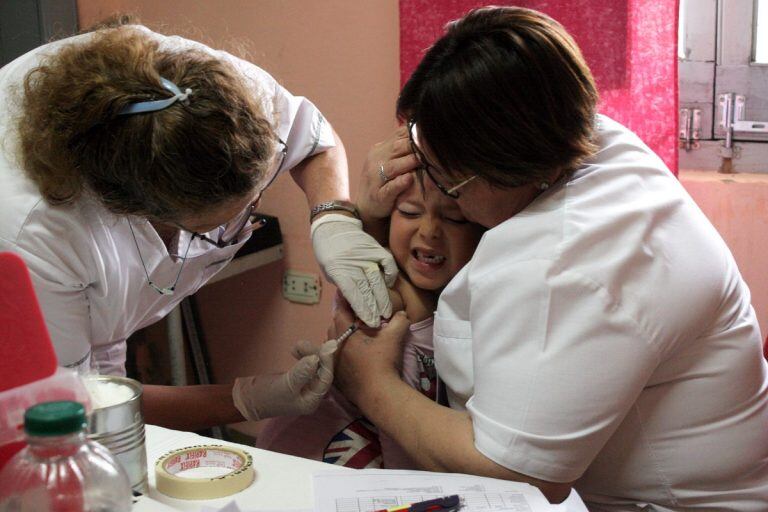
[(439, 504), (445, 504)]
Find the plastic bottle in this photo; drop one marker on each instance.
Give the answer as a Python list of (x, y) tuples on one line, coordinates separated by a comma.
[(60, 469)]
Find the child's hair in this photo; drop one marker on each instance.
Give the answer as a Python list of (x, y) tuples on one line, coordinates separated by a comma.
[(164, 165)]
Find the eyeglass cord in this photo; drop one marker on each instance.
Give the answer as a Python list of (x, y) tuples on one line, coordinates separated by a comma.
[(172, 288)]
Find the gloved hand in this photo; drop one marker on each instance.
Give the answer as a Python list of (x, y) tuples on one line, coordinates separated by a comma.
[(295, 392), (354, 262), (325, 352)]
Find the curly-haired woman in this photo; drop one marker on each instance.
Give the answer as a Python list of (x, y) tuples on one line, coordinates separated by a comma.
[(131, 166)]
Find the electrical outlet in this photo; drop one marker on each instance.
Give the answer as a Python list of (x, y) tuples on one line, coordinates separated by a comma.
[(301, 287)]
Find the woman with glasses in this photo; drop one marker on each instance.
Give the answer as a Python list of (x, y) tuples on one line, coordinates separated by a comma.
[(131, 167), (601, 337)]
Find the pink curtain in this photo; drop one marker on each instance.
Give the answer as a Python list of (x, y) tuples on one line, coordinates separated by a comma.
[(631, 46)]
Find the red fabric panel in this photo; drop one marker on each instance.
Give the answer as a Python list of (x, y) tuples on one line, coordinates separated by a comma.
[(630, 45)]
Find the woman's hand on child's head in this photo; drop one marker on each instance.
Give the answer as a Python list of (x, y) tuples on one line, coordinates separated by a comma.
[(386, 174)]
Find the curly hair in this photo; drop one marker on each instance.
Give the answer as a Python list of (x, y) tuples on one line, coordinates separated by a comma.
[(165, 165), (505, 94)]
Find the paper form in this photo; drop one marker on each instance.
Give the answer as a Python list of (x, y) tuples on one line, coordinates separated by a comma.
[(232, 506), (371, 489)]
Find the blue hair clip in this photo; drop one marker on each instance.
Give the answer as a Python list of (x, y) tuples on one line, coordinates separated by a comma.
[(143, 107)]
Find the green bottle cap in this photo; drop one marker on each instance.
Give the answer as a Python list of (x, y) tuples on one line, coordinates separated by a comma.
[(54, 418)]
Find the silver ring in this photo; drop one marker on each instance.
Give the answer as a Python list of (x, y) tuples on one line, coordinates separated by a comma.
[(382, 174)]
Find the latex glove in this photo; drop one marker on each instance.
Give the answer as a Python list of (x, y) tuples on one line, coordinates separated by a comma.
[(354, 262), (295, 392), (325, 352)]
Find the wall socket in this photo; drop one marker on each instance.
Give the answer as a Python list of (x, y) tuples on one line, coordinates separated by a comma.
[(301, 287)]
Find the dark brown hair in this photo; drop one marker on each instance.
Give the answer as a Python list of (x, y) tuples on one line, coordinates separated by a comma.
[(504, 94), (165, 165)]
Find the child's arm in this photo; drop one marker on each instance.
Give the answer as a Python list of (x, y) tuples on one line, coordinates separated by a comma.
[(396, 298), (418, 304)]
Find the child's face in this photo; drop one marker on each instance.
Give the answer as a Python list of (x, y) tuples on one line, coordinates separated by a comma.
[(429, 237)]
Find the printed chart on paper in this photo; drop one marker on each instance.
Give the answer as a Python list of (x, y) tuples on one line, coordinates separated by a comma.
[(472, 500), (370, 490)]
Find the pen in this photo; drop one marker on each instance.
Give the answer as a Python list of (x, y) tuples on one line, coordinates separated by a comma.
[(399, 508), (447, 503)]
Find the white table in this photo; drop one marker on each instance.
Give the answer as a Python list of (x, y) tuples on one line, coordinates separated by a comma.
[(282, 482)]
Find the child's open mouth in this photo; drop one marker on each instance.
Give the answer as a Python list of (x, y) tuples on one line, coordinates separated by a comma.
[(428, 258)]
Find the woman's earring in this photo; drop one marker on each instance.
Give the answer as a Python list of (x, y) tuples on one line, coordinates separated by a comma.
[(543, 185)]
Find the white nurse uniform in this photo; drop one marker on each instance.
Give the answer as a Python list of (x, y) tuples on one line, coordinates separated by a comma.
[(604, 335), (83, 260)]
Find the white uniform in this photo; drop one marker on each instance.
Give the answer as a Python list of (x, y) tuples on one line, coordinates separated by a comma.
[(84, 263), (605, 335)]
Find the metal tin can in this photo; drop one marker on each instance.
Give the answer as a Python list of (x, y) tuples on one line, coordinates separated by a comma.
[(120, 428)]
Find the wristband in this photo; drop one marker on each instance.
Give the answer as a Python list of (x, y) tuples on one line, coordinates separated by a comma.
[(333, 217), (333, 206)]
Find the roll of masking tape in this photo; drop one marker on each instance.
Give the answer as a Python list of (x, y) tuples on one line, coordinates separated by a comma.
[(169, 470)]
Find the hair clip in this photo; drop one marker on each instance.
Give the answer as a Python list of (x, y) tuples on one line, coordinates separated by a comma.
[(143, 107)]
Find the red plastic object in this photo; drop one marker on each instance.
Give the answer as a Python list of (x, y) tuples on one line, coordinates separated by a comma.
[(26, 352), (7, 451)]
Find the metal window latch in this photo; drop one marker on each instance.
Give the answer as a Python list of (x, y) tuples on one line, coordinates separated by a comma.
[(739, 112), (750, 126), (733, 113), (690, 128), (731, 110)]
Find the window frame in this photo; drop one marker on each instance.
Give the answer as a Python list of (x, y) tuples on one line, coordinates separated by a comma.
[(720, 59)]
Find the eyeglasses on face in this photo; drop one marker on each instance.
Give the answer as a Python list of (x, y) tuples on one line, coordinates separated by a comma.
[(243, 223), (430, 169), (235, 229)]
